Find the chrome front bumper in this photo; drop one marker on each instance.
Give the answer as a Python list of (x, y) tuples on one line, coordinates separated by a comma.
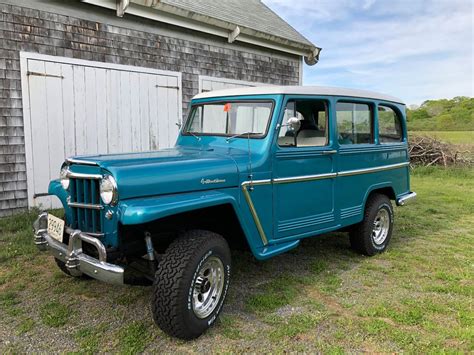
[(404, 199), (76, 261)]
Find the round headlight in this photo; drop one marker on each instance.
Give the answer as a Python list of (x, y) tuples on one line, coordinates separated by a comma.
[(108, 190), (64, 178)]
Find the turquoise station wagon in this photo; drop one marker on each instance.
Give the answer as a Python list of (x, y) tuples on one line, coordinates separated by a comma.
[(260, 167)]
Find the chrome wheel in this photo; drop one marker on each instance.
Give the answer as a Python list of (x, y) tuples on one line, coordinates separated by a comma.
[(208, 287), (381, 226)]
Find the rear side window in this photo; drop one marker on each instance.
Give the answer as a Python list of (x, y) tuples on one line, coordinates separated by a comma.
[(390, 125), (354, 123)]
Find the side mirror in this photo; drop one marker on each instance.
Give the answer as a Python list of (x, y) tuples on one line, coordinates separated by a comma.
[(293, 124)]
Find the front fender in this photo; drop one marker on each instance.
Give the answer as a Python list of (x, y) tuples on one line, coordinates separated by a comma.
[(144, 210)]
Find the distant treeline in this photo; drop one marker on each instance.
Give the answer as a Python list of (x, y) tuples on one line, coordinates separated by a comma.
[(456, 114)]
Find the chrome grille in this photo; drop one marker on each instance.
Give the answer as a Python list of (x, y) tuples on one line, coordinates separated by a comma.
[(87, 212)]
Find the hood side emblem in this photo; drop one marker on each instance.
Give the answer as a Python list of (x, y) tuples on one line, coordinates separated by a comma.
[(211, 181)]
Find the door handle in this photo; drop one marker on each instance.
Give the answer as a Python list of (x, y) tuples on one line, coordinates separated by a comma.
[(328, 152)]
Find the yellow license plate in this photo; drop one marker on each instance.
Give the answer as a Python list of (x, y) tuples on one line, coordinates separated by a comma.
[(55, 227)]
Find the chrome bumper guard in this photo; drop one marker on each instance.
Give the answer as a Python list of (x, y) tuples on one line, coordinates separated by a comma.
[(404, 199), (76, 261)]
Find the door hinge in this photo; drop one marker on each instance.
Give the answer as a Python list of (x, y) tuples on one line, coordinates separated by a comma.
[(44, 74), (41, 194), (167, 87)]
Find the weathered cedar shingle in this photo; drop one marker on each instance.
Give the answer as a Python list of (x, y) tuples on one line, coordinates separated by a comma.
[(23, 29)]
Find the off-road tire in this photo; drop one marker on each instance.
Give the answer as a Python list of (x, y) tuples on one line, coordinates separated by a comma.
[(63, 268), (361, 237), (175, 278)]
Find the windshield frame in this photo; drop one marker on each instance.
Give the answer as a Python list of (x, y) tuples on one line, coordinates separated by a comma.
[(186, 132)]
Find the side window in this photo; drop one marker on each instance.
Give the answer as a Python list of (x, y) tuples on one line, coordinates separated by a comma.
[(314, 128), (390, 125), (354, 123)]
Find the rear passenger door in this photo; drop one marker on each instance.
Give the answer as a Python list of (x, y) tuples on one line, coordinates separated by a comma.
[(303, 171), (357, 151)]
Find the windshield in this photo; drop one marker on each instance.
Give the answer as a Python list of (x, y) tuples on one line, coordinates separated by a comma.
[(230, 118)]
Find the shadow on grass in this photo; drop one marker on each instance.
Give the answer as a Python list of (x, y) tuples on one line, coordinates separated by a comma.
[(320, 296)]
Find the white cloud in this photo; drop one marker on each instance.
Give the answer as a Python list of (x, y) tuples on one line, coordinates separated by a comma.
[(414, 49)]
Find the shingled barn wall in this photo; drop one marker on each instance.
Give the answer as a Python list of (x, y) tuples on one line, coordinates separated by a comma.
[(104, 37)]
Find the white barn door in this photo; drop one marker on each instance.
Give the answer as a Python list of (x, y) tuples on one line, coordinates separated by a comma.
[(76, 107)]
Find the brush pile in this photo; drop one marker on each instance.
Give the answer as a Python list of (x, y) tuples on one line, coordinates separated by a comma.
[(427, 151)]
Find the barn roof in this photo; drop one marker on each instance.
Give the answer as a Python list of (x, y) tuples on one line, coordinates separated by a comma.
[(249, 21), (251, 14)]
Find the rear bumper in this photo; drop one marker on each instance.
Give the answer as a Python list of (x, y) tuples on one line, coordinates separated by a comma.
[(76, 261), (404, 199)]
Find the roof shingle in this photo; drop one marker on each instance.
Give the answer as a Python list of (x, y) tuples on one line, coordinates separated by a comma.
[(252, 14)]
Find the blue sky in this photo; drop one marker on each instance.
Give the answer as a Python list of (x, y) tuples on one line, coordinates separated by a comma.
[(412, 49)]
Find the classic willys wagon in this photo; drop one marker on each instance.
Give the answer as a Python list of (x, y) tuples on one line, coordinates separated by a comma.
[(263, 167)]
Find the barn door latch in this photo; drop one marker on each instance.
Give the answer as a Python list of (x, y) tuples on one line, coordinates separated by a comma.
[(167, 87), (44, 74)]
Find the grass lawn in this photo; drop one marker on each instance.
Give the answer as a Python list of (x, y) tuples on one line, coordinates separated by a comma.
[(416, 297), (455, 137)]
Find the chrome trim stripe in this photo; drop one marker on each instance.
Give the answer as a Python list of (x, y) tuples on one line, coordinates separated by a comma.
[(324, 176), (79, 161), (254, 212), (85, 205), (303, 178), (84, 176), (372, 170), (258, 182)]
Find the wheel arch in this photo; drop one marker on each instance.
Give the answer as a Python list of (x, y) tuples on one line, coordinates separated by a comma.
[(212, 210), (385, 188)]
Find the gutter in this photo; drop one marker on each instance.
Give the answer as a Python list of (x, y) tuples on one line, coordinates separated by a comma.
[(157, 11)]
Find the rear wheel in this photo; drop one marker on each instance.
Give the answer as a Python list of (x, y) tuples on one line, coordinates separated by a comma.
[(191, 284), (372, 235)]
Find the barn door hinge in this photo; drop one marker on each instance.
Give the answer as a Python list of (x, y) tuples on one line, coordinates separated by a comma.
[(167, 87), (44, 74), (41, 194)]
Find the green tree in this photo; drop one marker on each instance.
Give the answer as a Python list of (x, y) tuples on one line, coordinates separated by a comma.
[(456, 114)]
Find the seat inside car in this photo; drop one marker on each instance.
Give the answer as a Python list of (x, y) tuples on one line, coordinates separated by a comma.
[(310, 135)]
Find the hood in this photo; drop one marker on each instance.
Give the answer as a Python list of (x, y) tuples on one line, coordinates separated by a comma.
[(168, 171)]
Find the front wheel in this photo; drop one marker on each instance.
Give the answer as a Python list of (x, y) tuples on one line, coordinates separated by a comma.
[(191, 284), (372, 235)]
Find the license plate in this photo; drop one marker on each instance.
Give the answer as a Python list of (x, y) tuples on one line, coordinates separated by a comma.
[(55, 227)]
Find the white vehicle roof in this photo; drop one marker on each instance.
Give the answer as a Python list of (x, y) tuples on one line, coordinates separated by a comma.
[(298, 90)]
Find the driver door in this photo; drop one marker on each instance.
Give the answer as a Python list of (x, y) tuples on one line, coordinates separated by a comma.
[(304, 171)]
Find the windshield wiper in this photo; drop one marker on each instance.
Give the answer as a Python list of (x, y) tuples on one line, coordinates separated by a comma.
[(248, 134), (191, 133)]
